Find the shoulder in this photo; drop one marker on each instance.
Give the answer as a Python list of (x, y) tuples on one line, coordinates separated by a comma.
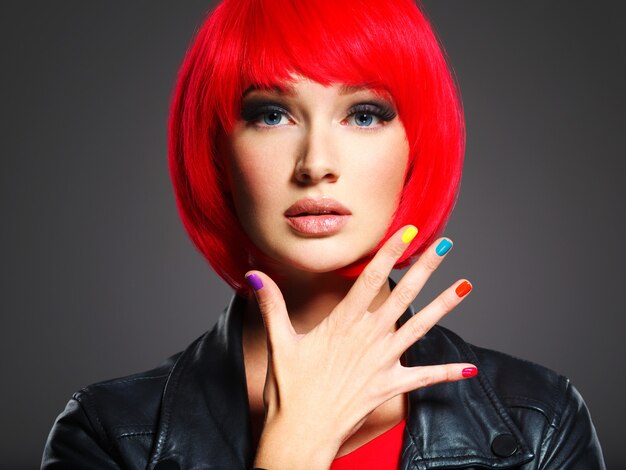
[(111, 423), (545, 406), (514, 380), (128, 421), (127, 400), (522, 383)]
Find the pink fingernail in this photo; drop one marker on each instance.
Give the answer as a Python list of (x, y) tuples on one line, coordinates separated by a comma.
[(469, 372)]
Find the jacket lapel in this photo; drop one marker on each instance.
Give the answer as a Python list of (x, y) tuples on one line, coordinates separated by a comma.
[(204, 412), (205, 417)]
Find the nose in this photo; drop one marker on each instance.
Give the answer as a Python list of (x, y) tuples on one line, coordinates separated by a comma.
[(318, 160)]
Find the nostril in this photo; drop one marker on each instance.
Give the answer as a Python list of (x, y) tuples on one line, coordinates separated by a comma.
[(304, 177), (331, 176)]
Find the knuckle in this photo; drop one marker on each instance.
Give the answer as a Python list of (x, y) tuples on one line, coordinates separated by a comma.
[(446, 302), (395, 250), (436, 375), (373, 279), (265, 305), (423, 380), (431, 263), (417, 329), (403, 296)]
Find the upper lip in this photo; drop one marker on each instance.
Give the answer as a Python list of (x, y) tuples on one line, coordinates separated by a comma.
[(313, 206)]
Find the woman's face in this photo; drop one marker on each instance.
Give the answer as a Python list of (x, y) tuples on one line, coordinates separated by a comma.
[(316, 172)]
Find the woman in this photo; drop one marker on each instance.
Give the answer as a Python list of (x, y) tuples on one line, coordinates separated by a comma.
[(314, 146)]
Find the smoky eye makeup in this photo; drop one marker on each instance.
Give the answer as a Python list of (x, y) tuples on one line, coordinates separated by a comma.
[(251, 109), (381, 109)]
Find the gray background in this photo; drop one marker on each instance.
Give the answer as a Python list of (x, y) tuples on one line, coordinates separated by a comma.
[(99, 279)]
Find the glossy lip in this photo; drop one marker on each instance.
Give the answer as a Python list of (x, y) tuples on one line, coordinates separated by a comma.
[(317, 206), (317, 216)]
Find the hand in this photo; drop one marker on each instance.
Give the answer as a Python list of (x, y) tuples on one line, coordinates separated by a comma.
[(321, 386)]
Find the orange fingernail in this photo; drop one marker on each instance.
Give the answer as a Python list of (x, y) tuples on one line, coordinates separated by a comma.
[(463, 289), (409, 234)]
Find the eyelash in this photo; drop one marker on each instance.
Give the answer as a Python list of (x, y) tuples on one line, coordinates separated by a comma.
[(384, 113), (255, 111)]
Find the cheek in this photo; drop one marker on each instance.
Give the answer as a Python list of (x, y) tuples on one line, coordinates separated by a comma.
[(381, 168), (255, 172), (247, 169)]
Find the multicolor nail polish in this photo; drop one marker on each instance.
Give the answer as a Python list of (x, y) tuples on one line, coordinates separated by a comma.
[(443, 247), (409, 234), (469, 372), (463, 289), (254, 281)]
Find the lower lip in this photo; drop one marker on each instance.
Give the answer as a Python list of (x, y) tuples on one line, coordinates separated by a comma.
[(318, 224)]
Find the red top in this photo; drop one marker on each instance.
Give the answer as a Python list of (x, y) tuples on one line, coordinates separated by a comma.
[(381, 453)]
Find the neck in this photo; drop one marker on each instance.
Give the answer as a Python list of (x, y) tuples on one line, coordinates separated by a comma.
[(309, 299)]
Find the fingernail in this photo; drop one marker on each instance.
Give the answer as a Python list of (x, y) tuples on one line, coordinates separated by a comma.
[(463, 289), (443, 247), (409, 234), (469, 372), (254, 281)]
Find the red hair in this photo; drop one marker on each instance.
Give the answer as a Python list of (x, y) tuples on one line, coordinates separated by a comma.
[(385, 44)]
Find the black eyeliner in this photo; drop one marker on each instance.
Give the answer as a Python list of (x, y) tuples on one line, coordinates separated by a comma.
[(252, 109), (380, 109)]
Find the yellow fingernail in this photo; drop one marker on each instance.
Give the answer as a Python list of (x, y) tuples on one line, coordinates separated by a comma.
[(409, 234)]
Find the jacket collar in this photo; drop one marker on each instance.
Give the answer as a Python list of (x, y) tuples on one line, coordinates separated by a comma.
[(206, 398)]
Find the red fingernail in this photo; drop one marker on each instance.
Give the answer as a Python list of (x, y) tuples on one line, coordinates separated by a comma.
[(469, 372), (463, 289)]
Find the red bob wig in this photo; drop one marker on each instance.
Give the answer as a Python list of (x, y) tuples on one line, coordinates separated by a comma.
[(384, 44)]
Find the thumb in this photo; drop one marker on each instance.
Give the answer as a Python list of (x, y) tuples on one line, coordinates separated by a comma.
[(272, 306)]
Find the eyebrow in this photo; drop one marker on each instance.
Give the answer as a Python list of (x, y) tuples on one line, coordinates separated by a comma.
[(274, 88), (349, 89), (288, 90)]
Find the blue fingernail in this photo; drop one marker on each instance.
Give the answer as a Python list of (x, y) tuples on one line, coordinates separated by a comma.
[(443, 247), (254, 281)]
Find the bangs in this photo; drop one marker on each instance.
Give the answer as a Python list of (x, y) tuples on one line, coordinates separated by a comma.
[(324, 41)]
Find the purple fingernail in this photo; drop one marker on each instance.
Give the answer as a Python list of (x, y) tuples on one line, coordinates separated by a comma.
[(254, 281)]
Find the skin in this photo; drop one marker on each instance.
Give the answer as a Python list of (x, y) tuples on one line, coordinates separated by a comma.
[(316, 150), (322, 386), (320, 328)]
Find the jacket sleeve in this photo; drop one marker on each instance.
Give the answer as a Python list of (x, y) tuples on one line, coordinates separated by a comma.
[(75, 444), (572, 441)]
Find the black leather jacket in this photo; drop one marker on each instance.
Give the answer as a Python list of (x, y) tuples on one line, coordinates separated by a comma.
[(192, 413)]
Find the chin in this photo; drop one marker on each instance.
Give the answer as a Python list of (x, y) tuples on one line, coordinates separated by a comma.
[(314, 255), (317, 262)]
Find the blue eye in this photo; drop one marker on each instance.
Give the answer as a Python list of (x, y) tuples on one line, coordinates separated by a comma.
[(363, 120), (264, 113), (370, 114), (272, 118)]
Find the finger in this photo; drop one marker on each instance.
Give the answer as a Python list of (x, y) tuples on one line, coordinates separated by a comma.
[(420, 323), (272, 307), (374, 276), (413, 281), (423, 376)]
